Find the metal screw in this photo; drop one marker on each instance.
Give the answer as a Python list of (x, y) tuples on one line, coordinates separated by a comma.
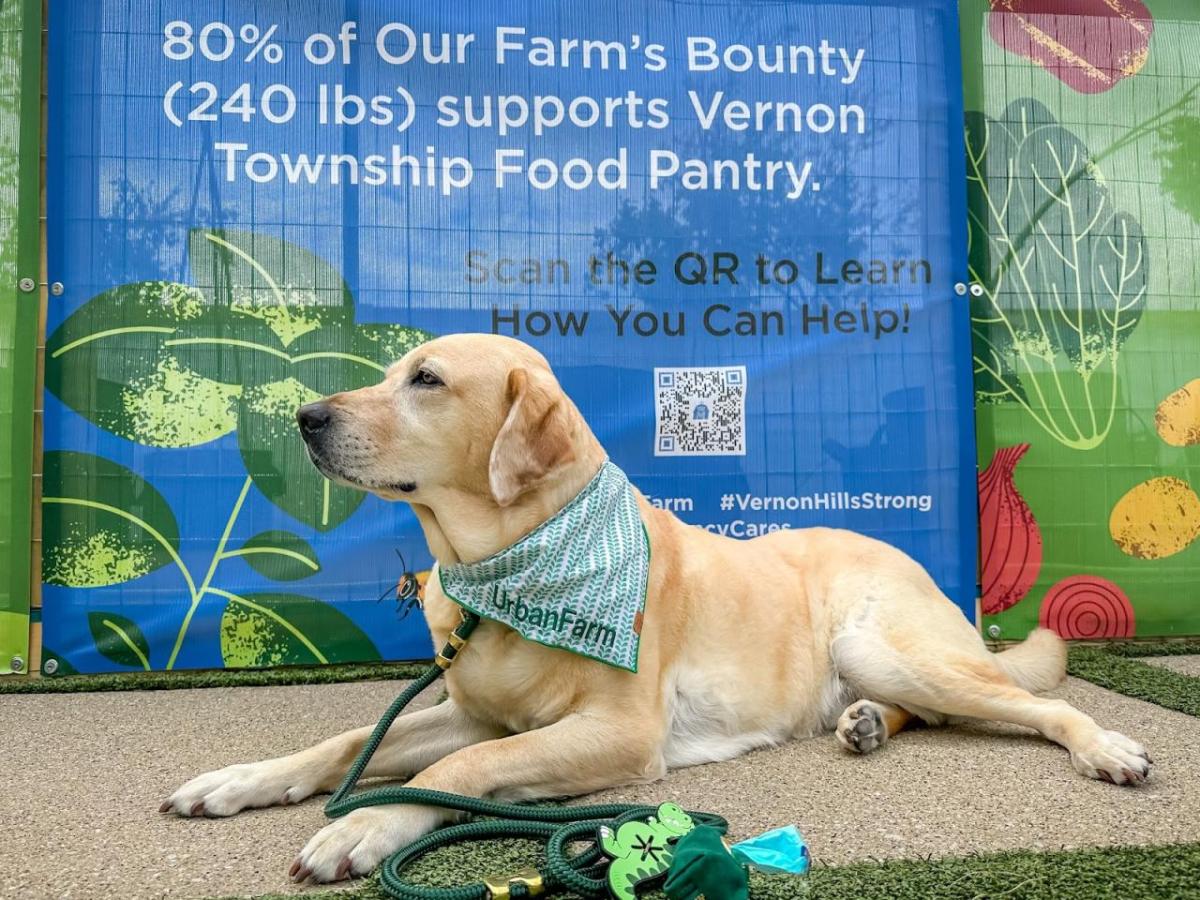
[(960, 289), (50, 666), (28, 285), (17, 664), (977, 290), (57, 289), (993, 631)]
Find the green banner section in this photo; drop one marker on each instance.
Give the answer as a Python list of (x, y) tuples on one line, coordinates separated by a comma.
[(20, 135), (1083, 158)]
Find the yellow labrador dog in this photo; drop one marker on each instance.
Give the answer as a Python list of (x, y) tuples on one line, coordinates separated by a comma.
[(812, 629)]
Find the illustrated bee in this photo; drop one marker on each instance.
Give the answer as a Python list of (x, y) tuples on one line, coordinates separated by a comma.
[(409, 590)]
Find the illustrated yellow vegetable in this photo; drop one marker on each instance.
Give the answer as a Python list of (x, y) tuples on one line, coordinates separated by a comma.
[(1178, 416), (1156, 519)]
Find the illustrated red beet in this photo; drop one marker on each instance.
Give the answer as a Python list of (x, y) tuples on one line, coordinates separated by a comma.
[(1010, 542), (1085, 606), (1089, 45)]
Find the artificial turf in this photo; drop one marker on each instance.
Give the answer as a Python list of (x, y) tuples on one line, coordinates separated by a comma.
[(1134, 678), (166, 681), (1115, 667), (1128, 873)]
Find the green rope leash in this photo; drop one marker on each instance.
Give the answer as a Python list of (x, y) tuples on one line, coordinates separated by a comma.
[(559, 827)]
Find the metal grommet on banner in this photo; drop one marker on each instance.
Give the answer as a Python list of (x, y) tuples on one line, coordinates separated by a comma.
[(17, 664), (50, 666), (961, 289), (28, 285), (976, 290), (993, 631), (57, 289)]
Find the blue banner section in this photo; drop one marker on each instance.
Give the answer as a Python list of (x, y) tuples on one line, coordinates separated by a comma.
[(734, 228)]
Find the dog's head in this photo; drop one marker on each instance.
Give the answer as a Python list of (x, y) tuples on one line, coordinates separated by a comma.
[(467, 413)]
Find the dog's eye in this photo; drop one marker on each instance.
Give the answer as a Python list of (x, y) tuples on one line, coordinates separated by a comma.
[(426, 378)]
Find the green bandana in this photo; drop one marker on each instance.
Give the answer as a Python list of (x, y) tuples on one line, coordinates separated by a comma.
[(576, 582)]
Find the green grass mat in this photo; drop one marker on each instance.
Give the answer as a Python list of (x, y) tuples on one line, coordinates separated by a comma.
[(1113, 666), (166, 681), (1156, 648), (1129, 873), (1134, 678)]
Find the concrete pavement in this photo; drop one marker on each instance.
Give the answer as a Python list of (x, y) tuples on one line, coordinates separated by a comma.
[(84, 774)]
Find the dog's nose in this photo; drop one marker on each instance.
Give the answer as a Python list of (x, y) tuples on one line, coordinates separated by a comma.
[(313, 418)]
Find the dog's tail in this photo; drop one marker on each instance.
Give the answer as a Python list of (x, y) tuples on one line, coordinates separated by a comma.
[(1037, 664)]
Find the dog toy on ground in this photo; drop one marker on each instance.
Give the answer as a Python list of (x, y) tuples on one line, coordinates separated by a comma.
[(704, 867), (641, 851)]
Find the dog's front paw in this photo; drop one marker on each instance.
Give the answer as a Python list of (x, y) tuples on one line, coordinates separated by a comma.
[(1112, 757), (242, 786), (861, 728), (359, 841)]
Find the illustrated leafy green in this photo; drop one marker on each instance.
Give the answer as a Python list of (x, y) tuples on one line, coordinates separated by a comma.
[(120, 640), (280, 555), (110, 363), (103, 524), (1063, 272), (287, 629), (267, 327)]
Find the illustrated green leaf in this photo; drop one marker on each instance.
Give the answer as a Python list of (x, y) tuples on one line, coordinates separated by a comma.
[(1063, 273), (280, 555), (285, 286), (277, 461), (109, 361), (384, 343), (120, 640), (231, 346), (102, 524), (286, 629), (343, 356)]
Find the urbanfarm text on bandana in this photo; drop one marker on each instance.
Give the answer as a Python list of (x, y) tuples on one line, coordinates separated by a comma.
[(577, 581)]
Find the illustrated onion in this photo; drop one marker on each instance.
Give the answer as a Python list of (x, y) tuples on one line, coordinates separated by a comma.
[(1089, 45), (1010, 541), (1085, 606)]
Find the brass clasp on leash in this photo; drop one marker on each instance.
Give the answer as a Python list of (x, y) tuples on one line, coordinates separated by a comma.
[(454, 643), (498, 886)]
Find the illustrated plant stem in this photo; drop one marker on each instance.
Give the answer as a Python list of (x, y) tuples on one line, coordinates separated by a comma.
[(218, 555), (271, 614)]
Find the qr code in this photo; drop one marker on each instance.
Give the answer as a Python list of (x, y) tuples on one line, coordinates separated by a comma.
[(700, 411)]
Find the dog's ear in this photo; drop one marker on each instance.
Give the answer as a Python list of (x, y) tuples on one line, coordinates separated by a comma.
[(534, 440)]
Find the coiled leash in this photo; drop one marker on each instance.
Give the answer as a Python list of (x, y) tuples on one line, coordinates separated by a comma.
[(583, 872)]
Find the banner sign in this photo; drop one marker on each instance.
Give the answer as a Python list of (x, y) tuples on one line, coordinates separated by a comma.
[(734, 229), (1088, 411)]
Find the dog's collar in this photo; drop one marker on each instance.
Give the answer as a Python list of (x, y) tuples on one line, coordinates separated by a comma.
[(576, 582)]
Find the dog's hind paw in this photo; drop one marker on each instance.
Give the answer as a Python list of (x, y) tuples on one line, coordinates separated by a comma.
[(861, 728), (1114, 758)]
